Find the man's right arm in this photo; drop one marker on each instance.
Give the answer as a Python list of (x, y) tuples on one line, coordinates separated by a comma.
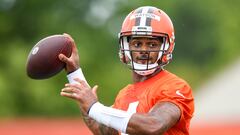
[(72, 65)]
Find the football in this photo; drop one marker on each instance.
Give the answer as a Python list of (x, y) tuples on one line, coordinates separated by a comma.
[(43, 61)]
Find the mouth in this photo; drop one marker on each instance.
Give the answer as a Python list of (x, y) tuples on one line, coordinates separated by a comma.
[(143, 60), (143, 57)]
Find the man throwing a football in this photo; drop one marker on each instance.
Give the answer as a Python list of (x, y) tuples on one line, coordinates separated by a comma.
[(157, 102)]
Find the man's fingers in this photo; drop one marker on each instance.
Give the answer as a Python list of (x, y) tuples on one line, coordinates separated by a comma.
[(69, 95), (74, 47), (70, 90), (82, 82), (75, 85), (68, 36)]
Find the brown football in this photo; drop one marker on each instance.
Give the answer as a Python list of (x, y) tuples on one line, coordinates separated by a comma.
[(43, 61)]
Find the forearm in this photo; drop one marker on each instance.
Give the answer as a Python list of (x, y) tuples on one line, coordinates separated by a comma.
[(97, 128), (140, 124), (161, 118)]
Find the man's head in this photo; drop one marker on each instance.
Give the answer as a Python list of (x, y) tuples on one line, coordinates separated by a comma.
[(146, 40)]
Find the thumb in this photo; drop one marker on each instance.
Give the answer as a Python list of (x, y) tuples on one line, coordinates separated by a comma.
[(94, 90), (63, 58)]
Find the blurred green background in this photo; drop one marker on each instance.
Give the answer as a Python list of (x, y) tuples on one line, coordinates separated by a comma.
[(207, 36)]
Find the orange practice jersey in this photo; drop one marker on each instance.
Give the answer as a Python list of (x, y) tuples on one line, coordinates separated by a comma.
[(165, 86)]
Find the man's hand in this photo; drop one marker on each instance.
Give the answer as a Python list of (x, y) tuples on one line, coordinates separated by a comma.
[(82, 93), (72, 63)]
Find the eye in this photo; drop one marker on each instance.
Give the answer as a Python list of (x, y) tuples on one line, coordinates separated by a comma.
[(153, 45), (137, 44)]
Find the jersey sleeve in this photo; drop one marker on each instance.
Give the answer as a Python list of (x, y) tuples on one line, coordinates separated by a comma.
[(180, 94)]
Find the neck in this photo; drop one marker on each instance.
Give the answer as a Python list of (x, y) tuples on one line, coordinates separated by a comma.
[(140, 78)]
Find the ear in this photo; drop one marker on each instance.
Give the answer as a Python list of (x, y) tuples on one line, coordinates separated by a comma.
[(166, 58)]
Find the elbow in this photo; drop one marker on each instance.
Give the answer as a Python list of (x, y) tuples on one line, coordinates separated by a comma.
[(147, 129), (155, 129), (150, 128)]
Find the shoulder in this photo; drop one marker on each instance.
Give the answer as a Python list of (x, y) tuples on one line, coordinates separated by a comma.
[(166, 80), (177, 91), (170, 88)]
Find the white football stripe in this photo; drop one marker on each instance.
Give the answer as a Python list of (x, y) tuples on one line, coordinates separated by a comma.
[(144, 17)]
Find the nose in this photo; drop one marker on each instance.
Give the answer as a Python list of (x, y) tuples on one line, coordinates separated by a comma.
[(144, 49)]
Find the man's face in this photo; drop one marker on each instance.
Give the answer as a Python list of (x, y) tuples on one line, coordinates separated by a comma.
[(145, 49)]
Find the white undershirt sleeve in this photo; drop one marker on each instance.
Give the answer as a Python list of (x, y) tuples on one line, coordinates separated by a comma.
[(76, 74), (110, 117)]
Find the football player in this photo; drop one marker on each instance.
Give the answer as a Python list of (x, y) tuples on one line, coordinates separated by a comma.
[(157, 102)]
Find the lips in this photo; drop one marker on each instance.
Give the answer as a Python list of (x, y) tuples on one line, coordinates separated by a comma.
[(143, 57)]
